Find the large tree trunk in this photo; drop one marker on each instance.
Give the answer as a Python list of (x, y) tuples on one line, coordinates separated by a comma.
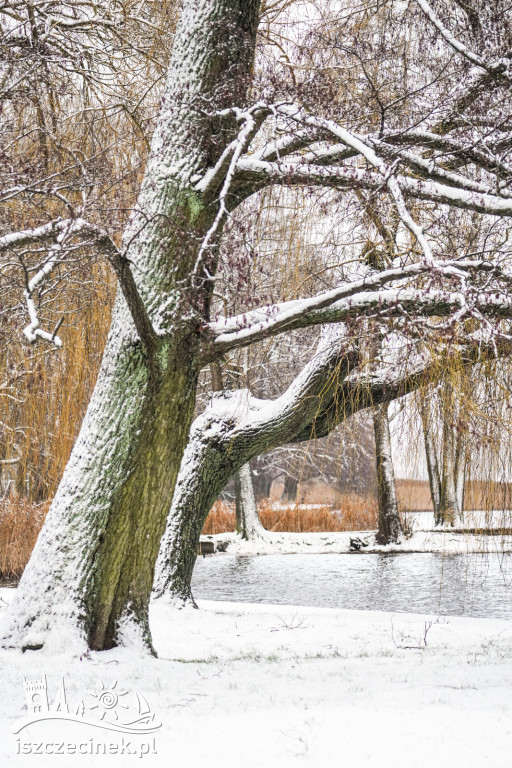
[(390, 527), (247, 520), (91, 573)]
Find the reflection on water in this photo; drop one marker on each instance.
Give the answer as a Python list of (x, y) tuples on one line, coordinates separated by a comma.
[(460, 585)]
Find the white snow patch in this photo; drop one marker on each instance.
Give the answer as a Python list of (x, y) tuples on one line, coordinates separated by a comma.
[(268, 685)]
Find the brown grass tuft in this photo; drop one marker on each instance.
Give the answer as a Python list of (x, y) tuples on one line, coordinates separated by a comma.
[(221, 519)]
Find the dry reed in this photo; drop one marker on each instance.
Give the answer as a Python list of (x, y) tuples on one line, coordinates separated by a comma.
[(20, 523), (357, 514)]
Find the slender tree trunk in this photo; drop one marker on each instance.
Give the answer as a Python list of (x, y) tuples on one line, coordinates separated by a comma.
[(461, 453), (91, 573), (248, 523), (291, 485), (449, 505), (434, 477), (460, 475), (390, 527)]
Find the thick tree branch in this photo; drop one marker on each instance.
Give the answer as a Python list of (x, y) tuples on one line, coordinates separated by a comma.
[(260, 174), (363, 298)]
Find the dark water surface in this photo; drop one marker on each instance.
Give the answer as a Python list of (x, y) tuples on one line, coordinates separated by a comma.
[(459, 585)]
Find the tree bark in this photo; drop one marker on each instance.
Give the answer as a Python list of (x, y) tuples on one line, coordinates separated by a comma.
[(390, 527), (248, 523), (91, 573), (448, 506), (460, 474)]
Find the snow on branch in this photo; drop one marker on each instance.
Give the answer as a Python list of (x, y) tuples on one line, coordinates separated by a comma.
[(295, 173), (501, 67), (224, 170), (27, 236), (367, 297), (60, 231), (482, 155), (358, 145), (452, 41)]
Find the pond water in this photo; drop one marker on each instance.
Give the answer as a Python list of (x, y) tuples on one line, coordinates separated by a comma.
[(459, 585)]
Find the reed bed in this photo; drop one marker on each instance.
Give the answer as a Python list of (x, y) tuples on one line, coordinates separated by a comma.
[(355, 513), (20, 523)]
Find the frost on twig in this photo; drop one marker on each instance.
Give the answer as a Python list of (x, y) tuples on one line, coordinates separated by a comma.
[(33, 331), (225, 167), (59, 231)]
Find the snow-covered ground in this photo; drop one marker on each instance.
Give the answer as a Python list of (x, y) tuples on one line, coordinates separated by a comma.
[(260, 685)]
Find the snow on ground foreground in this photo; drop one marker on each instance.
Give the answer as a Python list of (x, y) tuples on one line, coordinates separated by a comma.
[(260, 685)]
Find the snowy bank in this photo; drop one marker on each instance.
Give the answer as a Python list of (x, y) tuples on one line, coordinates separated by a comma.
[(448, 541), (482, 532), (282, 686)]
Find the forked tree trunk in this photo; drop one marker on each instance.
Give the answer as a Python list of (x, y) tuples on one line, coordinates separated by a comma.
[(390, 527), (248, 523), (234, 428), (92, 569)]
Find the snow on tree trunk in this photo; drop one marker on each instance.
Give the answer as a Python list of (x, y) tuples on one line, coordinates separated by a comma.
[(247, 520), (390, 528), (91, 573)]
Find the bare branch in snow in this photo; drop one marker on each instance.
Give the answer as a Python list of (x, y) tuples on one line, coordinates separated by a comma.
[(502, 67), (60, 231)]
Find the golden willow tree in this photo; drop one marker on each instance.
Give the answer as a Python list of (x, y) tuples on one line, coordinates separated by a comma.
[(91, 574)]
